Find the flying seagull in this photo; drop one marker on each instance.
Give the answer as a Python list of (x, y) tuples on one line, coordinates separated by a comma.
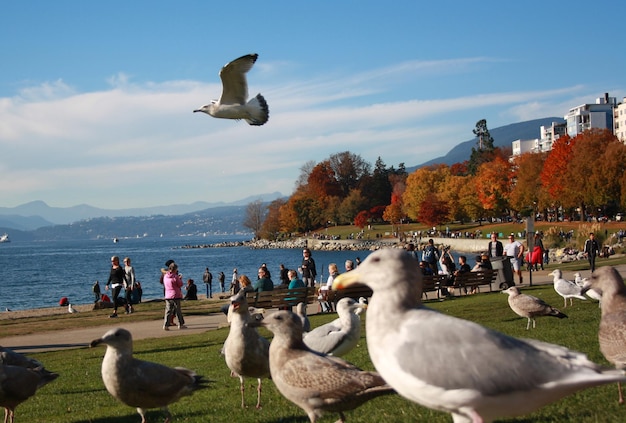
[(142, 384), (530, 307), (566, 289), (313, 381), (18, 383), (612, 331), (246, 352), (232, 104), (339, 336), (402, 333)]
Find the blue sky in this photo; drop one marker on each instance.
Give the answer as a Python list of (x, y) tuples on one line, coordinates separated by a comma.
[(96, 98)]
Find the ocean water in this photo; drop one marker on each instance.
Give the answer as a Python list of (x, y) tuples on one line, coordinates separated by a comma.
[(38, 274)]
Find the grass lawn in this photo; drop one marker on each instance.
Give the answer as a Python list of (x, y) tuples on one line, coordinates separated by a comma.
[(78, 395)]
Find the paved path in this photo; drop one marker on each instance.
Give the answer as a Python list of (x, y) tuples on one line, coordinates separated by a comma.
[(77, 338)]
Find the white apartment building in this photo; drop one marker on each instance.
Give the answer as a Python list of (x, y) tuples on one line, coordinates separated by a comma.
[(619, 119), (587, 116)]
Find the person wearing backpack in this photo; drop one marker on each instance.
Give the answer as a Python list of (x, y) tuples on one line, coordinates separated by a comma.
[(431, 256)]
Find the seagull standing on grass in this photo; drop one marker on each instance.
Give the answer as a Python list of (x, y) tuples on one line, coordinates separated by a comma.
[(71, 309), (315, 382), (138, 383), (342, 334), (587, 290), (430, 358), (530, 307), (246, 352), (18, 383), (566, 289), (232, 104), (612, 331)]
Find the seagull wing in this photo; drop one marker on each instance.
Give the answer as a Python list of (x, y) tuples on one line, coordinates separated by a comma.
[(234, 84), (325, 338)]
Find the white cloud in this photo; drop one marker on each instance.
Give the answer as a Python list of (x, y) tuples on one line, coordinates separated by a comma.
[(139, 144)]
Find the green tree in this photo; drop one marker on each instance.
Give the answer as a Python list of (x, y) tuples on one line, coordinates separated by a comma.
[(484, 151)]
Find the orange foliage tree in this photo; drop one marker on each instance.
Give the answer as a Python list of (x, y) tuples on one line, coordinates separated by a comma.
[(493, 184)]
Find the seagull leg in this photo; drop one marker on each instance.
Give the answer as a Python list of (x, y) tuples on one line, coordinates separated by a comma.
[(528, 325), (619, 390), (258, 396), (242, 388), (142, 413), (534, 323), (342, 418), (168, 415)]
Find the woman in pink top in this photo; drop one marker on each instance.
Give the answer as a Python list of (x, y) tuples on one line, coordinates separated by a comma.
[(172, 282)]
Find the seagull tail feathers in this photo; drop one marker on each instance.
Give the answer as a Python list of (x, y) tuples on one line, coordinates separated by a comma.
[(557, 313), (258, 111)]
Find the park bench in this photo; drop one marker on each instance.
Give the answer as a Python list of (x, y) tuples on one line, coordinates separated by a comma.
[(467, 281), (433, 283), (281, 297)]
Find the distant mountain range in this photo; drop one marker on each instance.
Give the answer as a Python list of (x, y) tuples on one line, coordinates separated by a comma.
[(38, 221), (502, 136)]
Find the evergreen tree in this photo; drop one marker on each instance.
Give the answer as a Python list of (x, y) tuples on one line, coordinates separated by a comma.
[(484, 152)]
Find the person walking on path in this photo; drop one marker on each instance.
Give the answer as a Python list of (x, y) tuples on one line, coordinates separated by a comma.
[(129, 284), (515, 251), (115, 282), (222, 278), (173, 283), (592, 249), (308, 268), (207, 278)]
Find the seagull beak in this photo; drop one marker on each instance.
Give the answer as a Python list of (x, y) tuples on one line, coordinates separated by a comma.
[(345, 279), (197, 110), (95, 343)]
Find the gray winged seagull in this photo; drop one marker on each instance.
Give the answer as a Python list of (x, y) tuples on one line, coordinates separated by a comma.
[(587, 290), (301, 312), (612, 331), (566, 289), (245, 351), (315, 382), (8, 357), (233, 102), (529, 306), (342, 334), (17, 384), (138, 383), (402, 333)]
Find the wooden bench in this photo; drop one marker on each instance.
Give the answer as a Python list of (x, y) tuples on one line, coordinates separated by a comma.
[(281, 298), (469, 280), (433, 283), (355, 292)]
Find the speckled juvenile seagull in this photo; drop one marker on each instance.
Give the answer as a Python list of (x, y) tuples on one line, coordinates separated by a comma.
[(232, 104), (246, 352), (530, 307), (342, 334), (315, 382), (430, 358), (612, 331), (138, 383)]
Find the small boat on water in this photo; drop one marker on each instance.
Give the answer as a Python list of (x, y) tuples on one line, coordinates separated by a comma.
[(4, 238)]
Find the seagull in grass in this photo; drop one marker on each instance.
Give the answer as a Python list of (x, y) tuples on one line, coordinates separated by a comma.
[(8, 357), (402, 333), (71, 309), (566, 289), (245, 351), (530, 307), (138, 383), (17, 384), (233, 103), (342, 334), (590, 292), (612, 331), (315, 382)]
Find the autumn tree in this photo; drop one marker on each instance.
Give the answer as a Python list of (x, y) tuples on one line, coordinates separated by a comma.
[(493, 183), (271, 227), (351, 206), (348, 168), (393, 212), (362, 218), (527, 190), (433, 212), (420, 184), (554, 172)]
